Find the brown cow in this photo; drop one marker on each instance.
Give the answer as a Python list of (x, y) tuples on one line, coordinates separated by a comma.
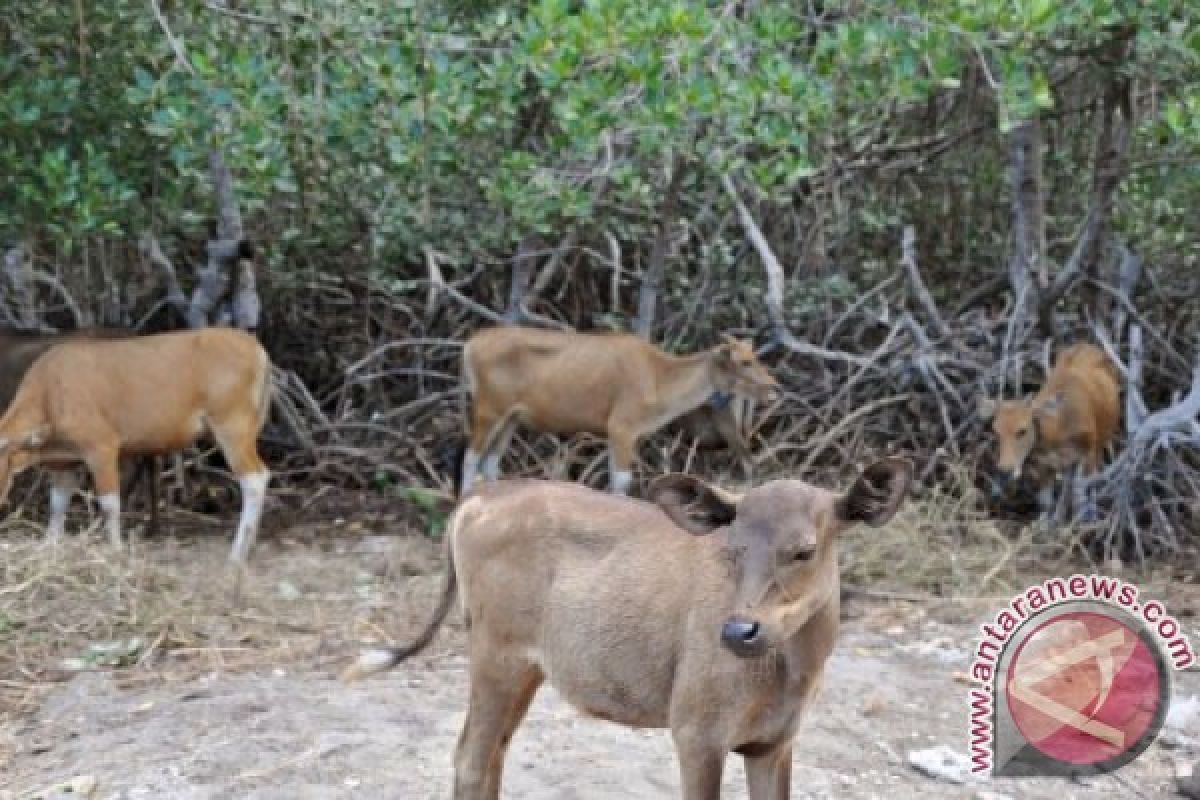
[(611, 384), (1067, 424), (713, 619), (92, 401), (18, 350)]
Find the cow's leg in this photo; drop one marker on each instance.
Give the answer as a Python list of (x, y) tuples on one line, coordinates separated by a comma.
[(152, 493), (63, 483), (498, 702), (482, 427), (622, 448), (237, 436), (179, 478), (700, 766), (146, 468), (103, 463), (498, 446), (470, 467), (1068, 507), (769, 776)]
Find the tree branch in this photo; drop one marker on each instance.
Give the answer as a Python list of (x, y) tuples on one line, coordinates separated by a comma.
[(908, 258), (1108, 170), (1028, 256), (775, 282), (652, 277)]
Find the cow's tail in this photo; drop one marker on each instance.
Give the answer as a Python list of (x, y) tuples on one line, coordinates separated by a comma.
[(380, 659), (466, 389)]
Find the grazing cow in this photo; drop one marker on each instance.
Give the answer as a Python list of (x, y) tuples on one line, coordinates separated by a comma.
[(94, 400), (611, 384), (18, 350), (705, 612), (1067, 424)]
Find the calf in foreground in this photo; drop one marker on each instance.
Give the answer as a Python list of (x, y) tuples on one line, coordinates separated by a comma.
[(611, 384), (19, 349), (93, 401), (1067, 424), (705, 612)]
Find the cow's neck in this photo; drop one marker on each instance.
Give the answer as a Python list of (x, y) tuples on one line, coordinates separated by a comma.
[(684, 383)]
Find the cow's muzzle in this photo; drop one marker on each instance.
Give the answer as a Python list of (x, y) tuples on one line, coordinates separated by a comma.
[(743, 637)]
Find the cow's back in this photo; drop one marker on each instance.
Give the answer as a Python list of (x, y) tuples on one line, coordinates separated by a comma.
[(1086, 357), (564, 382), (1090, 382), (584, 584), (20, 349), (162, 386)]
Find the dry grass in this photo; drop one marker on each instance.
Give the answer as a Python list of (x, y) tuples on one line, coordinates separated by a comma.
[(947, 545), (174, 607)]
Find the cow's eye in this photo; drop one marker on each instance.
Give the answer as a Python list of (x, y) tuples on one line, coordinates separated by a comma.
[(1022, 432), (803, 555)]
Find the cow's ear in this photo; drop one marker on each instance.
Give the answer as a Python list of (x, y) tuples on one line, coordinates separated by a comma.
[(877, 494), (986, 407), (697, 507)]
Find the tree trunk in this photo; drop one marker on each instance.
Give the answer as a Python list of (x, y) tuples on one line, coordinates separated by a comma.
[(1109, 166), (229, 262), (522, 270), (15, 272), (1027, 260), (652, 278)]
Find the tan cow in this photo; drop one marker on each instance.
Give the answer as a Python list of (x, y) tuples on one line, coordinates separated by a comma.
[(1067, 424), (93, 401), (19, 349), (611, 384), (713, 619)]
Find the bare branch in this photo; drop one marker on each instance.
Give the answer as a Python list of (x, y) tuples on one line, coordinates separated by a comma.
[(1028, 255), (1108, 170), (479, 309), (775, 282), (180, 56), (150, 249), (522, 269), (908, 259), (17, 274), (652, 276)]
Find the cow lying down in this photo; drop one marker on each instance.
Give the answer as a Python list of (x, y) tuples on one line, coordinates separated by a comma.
[(702, 611)]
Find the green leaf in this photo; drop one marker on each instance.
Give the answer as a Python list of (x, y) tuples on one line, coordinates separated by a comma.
[(1042, 96)]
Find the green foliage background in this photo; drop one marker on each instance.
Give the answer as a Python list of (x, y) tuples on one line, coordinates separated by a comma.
[(361, 132)]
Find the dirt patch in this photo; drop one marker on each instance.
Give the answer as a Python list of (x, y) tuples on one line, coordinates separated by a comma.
[(239, 700)]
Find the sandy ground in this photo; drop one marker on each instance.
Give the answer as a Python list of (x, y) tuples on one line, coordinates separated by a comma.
[(294, 732)]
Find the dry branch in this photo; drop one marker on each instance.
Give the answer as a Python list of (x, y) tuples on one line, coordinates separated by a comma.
[(775, 284), (17, 275), (151, 250), (908, 258)]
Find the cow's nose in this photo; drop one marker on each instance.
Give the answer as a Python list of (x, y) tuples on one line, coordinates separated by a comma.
[(742, 636)]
